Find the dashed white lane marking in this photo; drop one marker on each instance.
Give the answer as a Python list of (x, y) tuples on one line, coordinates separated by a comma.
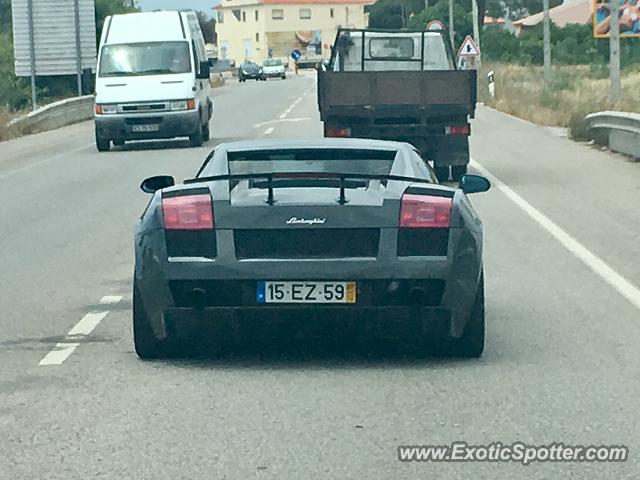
[(291, 120), (110, 299), (268, 131), (83, 328), (87, 324), (59, 354), (595, 263)]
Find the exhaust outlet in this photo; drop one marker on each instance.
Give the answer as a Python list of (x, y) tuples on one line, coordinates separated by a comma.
[(417, 296), (198, 298)]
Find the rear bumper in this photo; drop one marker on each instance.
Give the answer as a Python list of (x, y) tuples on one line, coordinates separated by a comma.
[(235, 281), (386, 322), (169, 124), (274, 74), (434, 144)]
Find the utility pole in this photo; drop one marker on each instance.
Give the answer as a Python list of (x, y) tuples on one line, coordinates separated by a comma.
[(476, 30), (452, 35), (614, 51), (547, 44)]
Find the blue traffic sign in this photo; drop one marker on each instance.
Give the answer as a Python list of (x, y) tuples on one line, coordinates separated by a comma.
[(296, 54)]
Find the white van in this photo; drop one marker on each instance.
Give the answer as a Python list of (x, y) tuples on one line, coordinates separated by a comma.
[(152, 79)]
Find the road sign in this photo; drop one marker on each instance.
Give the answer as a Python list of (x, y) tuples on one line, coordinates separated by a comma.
[(435, 26), (53, 37), (296, 54), (64, 35), (469, 48)]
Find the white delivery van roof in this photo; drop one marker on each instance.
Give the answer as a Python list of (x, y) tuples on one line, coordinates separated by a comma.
[(163, 26)]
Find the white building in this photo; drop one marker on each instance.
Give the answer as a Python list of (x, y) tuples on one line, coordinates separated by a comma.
[(257, 29)]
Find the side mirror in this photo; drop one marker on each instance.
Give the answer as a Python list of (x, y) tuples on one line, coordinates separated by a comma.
[(205, 70), (153, 184), (474, 184)]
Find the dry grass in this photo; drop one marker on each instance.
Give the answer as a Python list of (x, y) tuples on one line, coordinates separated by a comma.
[(574, 92), (7, 132)]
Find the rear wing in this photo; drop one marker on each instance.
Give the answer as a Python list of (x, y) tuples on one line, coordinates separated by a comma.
[(341, 177)]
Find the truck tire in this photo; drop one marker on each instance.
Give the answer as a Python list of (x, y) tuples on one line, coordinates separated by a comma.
[(102, 144), (471, 344), (145, 342), (457, 171), (442, 173), (206, 132)]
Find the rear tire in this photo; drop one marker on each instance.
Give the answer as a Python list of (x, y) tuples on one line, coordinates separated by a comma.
[(283, 77), (206, 132), (102, 144), (442, 173), (197, 138), (471, 344), (457, 171), (145, 342)]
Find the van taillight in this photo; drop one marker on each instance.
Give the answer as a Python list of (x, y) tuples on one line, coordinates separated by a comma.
[(188, 212), (337, 132), (457, 130), (424, 211)]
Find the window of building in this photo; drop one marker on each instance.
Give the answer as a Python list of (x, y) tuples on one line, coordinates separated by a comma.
[(220, 17), (236, 13), (277, 14), (256, 15), (257, 37), (332, 13), (244, 16), (305, 13)]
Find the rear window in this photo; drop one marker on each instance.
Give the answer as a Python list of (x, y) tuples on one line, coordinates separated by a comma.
[(391, 47), (272, 62), (314, 160)]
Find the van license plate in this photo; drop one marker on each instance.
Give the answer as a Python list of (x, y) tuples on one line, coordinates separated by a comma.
[(306, 292), (145, 128)]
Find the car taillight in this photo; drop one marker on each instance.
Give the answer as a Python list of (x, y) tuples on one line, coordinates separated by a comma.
[(337, 132), (457, 130), (424, 211), (188, 212)]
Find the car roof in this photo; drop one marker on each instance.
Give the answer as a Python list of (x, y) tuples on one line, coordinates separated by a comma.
[(329, 143)]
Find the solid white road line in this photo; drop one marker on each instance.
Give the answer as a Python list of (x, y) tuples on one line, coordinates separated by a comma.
[(59, 354), (268, 131), (595, 263), (110, 299)]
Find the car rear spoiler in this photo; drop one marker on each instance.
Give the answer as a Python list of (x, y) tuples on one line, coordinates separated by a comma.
[(269, 177)]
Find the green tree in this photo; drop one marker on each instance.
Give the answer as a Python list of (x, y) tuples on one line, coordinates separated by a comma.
[(208, 27)]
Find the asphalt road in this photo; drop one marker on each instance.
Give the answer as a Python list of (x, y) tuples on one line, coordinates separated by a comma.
[(563, 311)]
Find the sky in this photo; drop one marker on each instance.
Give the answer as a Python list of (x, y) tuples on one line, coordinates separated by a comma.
[(203, 5)]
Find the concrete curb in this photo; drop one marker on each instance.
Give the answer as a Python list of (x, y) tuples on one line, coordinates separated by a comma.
[(56, 115)]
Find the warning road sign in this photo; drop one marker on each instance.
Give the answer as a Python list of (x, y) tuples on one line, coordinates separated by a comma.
[(469, 48)]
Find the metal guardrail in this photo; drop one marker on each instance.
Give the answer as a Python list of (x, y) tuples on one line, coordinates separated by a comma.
[(56, 115), (620, 131)]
